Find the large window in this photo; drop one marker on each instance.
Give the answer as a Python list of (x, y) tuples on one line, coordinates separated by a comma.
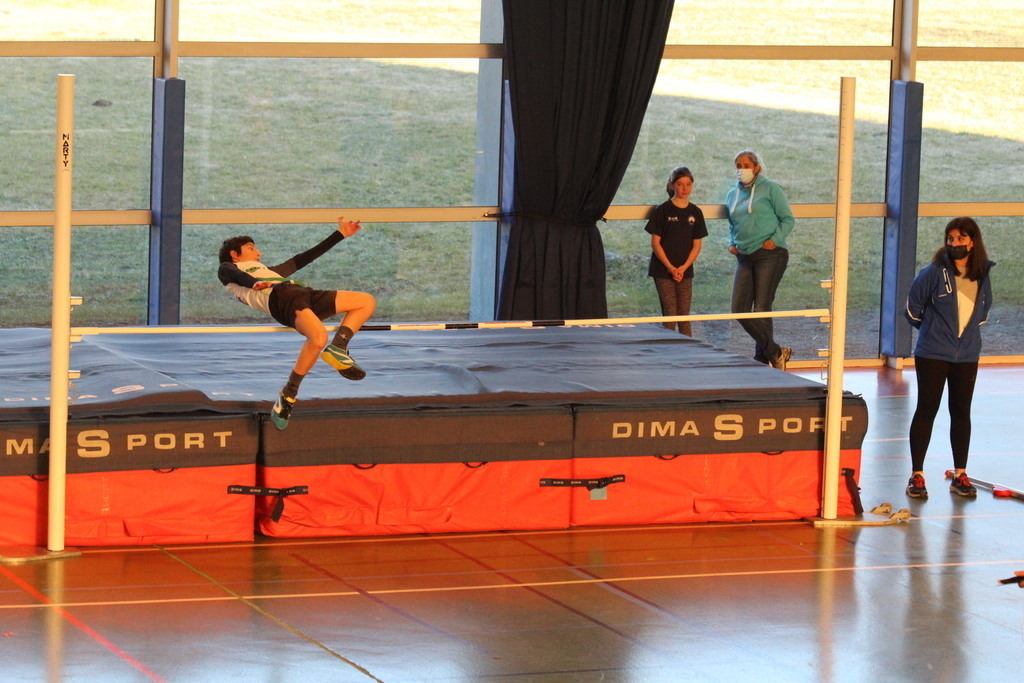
[(298, 108), (631, 292), (302, 133), (973, 134), (417, 271), (113, 104), (704, 112), (108, 270), (351, 21), (61, 20), (980, 23), (795, 22)]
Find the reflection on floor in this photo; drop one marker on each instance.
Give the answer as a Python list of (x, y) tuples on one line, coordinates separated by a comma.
[(768, 601)]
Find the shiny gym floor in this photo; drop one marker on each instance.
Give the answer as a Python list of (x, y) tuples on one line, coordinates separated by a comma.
[(917, 601)]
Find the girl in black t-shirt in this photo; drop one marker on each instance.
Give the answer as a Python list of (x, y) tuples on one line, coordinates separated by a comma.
[(677, 228)]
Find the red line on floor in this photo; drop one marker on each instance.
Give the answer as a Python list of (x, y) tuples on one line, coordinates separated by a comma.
[(82, 626)]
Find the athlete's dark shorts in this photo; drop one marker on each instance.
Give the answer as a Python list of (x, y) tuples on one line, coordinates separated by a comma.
[(287, 298)]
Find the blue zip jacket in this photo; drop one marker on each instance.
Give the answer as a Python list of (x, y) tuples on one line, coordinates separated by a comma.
[(932, 308)]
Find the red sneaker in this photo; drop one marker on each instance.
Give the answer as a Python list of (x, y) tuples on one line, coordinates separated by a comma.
[(916, 487)]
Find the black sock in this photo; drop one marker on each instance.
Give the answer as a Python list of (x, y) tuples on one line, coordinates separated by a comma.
[(291, 389), (342, 337)]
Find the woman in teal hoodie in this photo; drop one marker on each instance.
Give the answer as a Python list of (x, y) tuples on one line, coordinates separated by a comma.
[(760, 220)]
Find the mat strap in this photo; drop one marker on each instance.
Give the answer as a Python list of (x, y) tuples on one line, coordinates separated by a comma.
[(591, 484), (265, 491), (851, 486)]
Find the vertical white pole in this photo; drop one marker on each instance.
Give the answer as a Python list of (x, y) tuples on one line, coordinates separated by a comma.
[(840, 276), (61, 324)]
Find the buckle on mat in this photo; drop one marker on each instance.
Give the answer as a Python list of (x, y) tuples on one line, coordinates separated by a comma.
[(265, 491), (591, 484)]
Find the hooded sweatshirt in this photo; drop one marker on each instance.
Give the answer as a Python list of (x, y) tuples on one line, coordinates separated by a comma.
[(757, 214)]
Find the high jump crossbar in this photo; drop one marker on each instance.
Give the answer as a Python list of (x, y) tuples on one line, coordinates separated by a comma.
[(821, 313)]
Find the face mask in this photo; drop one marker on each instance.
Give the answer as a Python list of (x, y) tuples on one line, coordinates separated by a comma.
[(958, 252), (745, 175)]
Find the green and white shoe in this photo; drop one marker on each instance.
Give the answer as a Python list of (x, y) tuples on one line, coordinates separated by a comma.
[(282, 411), (338, 358)]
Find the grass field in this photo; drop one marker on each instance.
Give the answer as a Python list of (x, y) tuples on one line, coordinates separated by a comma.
[(306, 133)]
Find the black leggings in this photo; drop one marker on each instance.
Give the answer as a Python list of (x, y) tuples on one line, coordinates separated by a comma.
[(932, 376)]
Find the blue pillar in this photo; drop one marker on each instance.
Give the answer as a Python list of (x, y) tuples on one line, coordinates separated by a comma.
[(902, 189), (483, 279), (165, 201), (508, 167)]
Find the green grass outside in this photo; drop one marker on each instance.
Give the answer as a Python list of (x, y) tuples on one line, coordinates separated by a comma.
[(306, 133)]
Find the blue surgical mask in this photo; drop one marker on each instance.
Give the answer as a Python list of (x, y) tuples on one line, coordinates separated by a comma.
[(745, 175)]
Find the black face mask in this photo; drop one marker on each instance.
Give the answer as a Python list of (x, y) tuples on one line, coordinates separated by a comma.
[(958, 252)]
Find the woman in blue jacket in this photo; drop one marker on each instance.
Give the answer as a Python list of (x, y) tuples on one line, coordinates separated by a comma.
[(949, 302)]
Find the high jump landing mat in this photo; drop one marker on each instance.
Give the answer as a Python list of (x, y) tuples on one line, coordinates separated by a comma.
[(169, 437)]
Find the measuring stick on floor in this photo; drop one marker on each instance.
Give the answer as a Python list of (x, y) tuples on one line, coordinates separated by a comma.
[(997, 490)]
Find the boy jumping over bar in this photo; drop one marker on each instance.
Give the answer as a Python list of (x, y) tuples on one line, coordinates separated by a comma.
[(293, 304)]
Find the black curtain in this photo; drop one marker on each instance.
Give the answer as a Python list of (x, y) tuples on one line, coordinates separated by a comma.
[(580, 74)]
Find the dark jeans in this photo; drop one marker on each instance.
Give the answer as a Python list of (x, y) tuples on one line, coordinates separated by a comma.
[(753, 290), (932, 377), (675, 298)]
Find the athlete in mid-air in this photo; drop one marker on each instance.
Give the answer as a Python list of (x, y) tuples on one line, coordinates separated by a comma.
[(291, 303)]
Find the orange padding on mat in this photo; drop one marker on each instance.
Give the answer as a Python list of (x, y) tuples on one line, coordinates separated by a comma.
[(139, 507), (345, 500), (725, 487), (192, 505)]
